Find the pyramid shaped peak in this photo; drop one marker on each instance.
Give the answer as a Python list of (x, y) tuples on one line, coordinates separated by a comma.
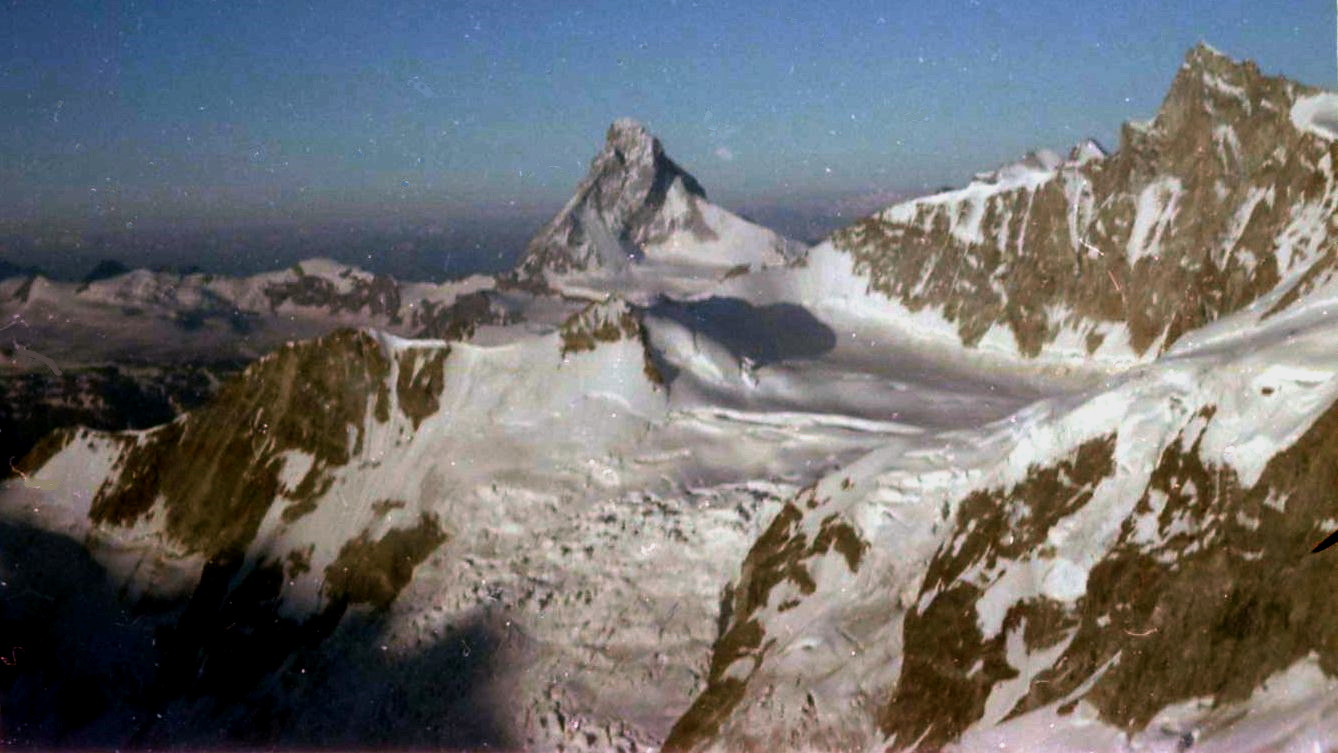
[(1213, 89), (630, 147), (615, 205)]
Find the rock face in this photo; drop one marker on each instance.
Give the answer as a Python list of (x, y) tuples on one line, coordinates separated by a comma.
[(378, 296), (1227, 198)]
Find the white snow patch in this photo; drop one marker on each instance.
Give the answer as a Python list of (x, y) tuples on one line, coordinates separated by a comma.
[(1156, 209), (1317, 114)]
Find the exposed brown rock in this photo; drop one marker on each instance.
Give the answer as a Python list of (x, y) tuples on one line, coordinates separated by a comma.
[(949, 668), (460, 319), (780, 555), (374, 572), (378, 295), (1222, 136), (216, 470), (1212, 611), (596, 323), (419, 385), (1216, 610)]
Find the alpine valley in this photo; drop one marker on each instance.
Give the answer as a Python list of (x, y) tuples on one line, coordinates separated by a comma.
[(1035, 464)]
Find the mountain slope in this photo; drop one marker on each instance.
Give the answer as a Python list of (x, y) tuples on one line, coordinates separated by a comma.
[(1127, 568), (314, 483)]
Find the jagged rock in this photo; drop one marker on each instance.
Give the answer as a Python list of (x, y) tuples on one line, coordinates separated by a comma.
[(1219, 202)]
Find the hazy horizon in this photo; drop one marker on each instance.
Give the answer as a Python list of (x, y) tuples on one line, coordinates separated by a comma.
[(119, 113), (420, 243)]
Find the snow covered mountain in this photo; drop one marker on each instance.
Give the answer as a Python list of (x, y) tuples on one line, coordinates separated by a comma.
[(1228, 193), (545, 498), (639, 224), (522, 527)]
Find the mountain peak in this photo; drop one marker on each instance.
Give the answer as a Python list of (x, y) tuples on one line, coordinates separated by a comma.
[(628, 144), (1205, 55), (633, 153), (1035, 162), (1210, 75), (1087, 150), (1208, 70), (625, 188), (1213, 90), (630, 136)]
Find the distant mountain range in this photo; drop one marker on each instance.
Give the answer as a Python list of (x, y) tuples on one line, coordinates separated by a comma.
[(423, 245), (1035, 464)]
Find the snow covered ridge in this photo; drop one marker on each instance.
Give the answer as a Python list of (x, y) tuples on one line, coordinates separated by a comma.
[(1071, 254), (363, 471), (168, 317), (1123, 569), (325, 401)]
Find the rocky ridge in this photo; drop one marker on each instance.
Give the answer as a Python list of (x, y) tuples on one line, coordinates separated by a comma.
[(1226, 199)]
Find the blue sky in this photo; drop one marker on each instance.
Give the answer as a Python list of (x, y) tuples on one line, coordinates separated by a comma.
[(235, 109)]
